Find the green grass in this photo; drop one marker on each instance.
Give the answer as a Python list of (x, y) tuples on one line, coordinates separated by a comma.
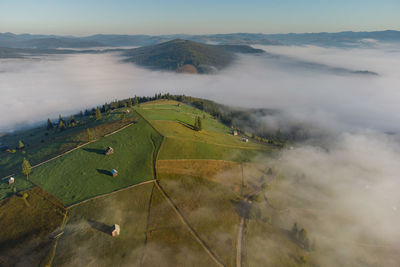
[(41, 144), (169, 241), (174, 148), (87, 242), (84, 173), (27, 226), (209, 208), (20, 184), (171, 112), (215, 141)]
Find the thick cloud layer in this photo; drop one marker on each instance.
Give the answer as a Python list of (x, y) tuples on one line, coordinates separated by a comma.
[(34, 89), (351, 185)]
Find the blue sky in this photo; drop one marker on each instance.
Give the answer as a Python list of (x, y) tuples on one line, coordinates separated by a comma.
[(85, 17)]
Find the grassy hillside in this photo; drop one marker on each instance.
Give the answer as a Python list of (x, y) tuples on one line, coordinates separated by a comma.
[(27, 227), (42, 144), (215, 141), (84, 173), (87, 240), (175, 54), (169, 242)]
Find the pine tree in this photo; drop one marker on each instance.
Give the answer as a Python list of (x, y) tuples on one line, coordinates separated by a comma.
[(123, 117), (295, 229), (49, 124), (20, 144), (61, 124), (72, 122), (199, 124), (26, 168), (81, 114), (130, 103), (89, 135), (136, 101), (98, 114)]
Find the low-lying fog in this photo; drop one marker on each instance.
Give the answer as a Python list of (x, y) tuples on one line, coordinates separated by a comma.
[(360, 167), (34, 89)]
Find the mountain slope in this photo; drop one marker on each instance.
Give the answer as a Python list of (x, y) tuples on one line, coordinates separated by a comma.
[(178, 55)]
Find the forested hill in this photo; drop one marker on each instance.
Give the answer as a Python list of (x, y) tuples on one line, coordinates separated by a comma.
[(187, 56)]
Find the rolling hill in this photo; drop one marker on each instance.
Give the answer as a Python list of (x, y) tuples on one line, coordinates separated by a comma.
[(182, 197), (178, 55)]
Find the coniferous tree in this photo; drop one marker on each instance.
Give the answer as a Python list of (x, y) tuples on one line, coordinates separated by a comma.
[(89, 135), (199, 124), (81, 114), (61, 125), (295, 229), (26, 168), (136, 101), (98, 114), (130, 103), (20, 144), (123, 117), (72, 121), (49, 124)]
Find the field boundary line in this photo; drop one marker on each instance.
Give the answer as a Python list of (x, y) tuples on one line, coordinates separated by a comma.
[(73, 149), (175, 208), (217, 144), (107, 194), (147, 226), (191, 230)]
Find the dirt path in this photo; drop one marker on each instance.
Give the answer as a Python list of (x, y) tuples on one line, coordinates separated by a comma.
[(239, 243)]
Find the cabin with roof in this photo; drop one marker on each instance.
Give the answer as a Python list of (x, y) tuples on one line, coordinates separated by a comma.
[(109, 151), (115, 230), (245, 140), (235, 133), (11, 180)]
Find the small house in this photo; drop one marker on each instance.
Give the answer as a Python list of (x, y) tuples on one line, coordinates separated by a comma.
[(235, 133), (127, 111), (179, 104), (114, 172), (11, 180), (115, 230), (109, 151), (245, 140)]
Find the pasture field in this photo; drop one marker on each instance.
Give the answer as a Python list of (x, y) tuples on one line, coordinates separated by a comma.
[(20, 184), (168, 110), (215, 141), (87, 240), (27, 227), (174, 148), (85, 172), (208, 206), (42, 144), (169, 241)]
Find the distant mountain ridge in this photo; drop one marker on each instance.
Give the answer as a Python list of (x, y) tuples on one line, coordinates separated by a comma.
[(347, 38), (187, 56)]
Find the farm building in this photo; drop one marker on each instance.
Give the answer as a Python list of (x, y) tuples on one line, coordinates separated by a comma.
[(245, 140), (179, 104), (235, 133), (127, 111), (115, 230), (109, 151), (11, 180), (114, 172)]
